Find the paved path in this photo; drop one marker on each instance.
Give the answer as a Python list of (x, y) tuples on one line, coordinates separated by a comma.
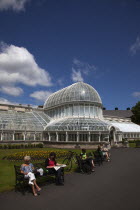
[(114, 186)]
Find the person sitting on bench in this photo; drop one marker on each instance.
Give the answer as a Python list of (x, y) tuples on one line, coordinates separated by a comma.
[(99, 152), (87, 160), (50, 163), (105, 152), (27, 169)]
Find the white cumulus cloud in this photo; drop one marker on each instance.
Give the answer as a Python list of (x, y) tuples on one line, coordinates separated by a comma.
[(14, 91), (83, 66), (77, 76), (41, 95), (136, 94), (79, 69), (135, 47), (16, 5), (18, 66), (5, 101)]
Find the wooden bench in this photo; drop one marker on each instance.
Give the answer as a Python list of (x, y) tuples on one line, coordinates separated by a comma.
[(83, 167), (21, 182), (98, 159)]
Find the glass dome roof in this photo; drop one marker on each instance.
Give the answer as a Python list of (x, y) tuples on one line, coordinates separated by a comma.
[(77, 92), (74, 124)]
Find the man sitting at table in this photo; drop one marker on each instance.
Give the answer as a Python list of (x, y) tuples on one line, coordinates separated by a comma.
[(50, 164)]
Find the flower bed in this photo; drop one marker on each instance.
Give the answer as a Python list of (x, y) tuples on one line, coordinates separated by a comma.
[(35, 155)]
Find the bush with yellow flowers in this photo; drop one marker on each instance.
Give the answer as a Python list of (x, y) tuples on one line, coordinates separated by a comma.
[(35, 155)]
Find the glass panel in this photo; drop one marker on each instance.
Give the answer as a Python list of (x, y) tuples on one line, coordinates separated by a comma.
[(19, 136), (91, 111), (59, 112), (38, 136), (46, 137), (83, 137), (62, 111), (95, 111), (56, 112), (104, 137), (29, 136), (86, 110), (67, 110), (81, 110), (53, 136), (70, 110), (94, 137), (7, 136), (61, 137), (76, 110), (72, 137)]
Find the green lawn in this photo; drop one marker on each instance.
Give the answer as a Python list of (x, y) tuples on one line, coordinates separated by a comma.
[(7, 174)]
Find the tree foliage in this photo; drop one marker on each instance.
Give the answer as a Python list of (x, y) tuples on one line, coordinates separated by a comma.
[(136, 113)]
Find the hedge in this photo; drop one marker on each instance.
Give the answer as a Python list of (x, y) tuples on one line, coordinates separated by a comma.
[(20, 146)]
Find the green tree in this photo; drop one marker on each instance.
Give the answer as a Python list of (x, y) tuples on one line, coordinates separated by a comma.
[(136, 113)]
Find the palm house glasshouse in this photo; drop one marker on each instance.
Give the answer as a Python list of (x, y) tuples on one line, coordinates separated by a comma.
[(72, 115)]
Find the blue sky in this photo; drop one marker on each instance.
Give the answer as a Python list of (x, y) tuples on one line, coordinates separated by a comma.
[(49, 44)]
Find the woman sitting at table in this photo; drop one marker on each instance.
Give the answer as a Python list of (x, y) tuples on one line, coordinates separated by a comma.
[(50, 163), (27, 169)]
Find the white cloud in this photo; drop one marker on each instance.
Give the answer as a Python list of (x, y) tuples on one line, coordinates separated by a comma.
[(83, 66), (14, 91), (5, 101), (80, 68), (136, 94), (135, 47), (17, 65), (60, 81), (41, 95), (77, 76), (16, 5)]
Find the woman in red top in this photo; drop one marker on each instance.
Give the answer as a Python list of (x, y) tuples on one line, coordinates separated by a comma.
[(50, 163)]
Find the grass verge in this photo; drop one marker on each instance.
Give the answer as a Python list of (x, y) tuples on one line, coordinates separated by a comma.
[(7, 173)]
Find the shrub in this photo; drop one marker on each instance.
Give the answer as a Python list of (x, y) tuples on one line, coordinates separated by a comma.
[(35, 155), (132, 145), (14, 146), (40, 145), (19, 146), (9, 146), (132, 141), (5, 146)]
